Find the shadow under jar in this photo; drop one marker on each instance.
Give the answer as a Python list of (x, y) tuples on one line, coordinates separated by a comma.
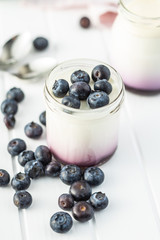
[(82, 136), (135, 44)]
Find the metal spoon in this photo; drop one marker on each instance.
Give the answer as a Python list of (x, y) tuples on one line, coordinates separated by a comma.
[(15, 49), (35, 68)]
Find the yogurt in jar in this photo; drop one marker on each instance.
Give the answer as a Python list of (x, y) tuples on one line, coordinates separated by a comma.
[(135, 43), (82, 136)]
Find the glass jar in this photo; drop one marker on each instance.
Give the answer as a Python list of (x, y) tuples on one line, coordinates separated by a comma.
[(135, 46), (83, 137)]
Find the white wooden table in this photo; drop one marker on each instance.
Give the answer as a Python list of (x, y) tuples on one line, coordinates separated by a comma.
[(132, 181)]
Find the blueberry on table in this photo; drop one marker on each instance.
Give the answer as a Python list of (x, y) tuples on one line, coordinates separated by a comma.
[(16, 146), (61, 222), (9, 121), (70, 174), (98, 200), (20, 181), (103, 85), (42, 118), (43, 154), (66, 201), (80, 190), (82, 211), (15, 94), (80, 76), (4, 178), (40, 43), (94, 176), (85, 22), (71, 101), (22, 199), (9, 107), (53, 169), (33, 130), (98, 99), (80, 90), (25, 157), (34, 169), (60, 88), (100, 72)]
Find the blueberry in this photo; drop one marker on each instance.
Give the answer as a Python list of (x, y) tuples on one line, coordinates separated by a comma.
[(66, 201), (98, 99), (9, 107), (94, 176), (40, 43), (85, 22), (15, 94), (100, 72), (4, 178), (80, 190), (61, 222), (16, 146), (82, 211), (71, 101), (33, 130), (9, 121), (103, 85), (25, 157), (60, 88), (70, 174), (22, 199), (53, 169), (43, 154), (34, 169), (98, 200), (80, 90), (42, 118), (80, 76), (20, 181)]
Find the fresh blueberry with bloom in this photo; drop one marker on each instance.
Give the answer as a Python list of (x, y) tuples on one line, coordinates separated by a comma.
[(33, 130), (66, 201), (15, 94), (98, 200), (43, 154), (40, 43), (70, 174), (94, 176), (82, 211), (61, 222), (16, 146), (4, 178), (103, 85), (98, 99), (80, 190), (25, 156), (60, 88), (22, 199), (42, 118), (100, 72), (34, 169), (80, 90), (20, 181), (9, 107), (80, 76), (71, 101), (53, 169), (9, 121)]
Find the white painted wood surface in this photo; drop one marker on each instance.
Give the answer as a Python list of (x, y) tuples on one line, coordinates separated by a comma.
[(132, 181)]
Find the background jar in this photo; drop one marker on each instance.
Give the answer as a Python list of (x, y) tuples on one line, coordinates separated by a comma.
[(77, 136)]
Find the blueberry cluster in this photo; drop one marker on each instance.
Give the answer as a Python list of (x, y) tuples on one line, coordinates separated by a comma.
[(9, 106), (80, 89), (80, 199)]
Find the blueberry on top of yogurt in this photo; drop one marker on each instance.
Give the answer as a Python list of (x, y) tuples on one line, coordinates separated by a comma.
[(100, 72), (60, 88), (98, 99), (81, 90), (80, 76)]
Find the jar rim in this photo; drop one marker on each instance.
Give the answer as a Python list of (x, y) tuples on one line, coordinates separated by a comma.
[(111, 106)]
